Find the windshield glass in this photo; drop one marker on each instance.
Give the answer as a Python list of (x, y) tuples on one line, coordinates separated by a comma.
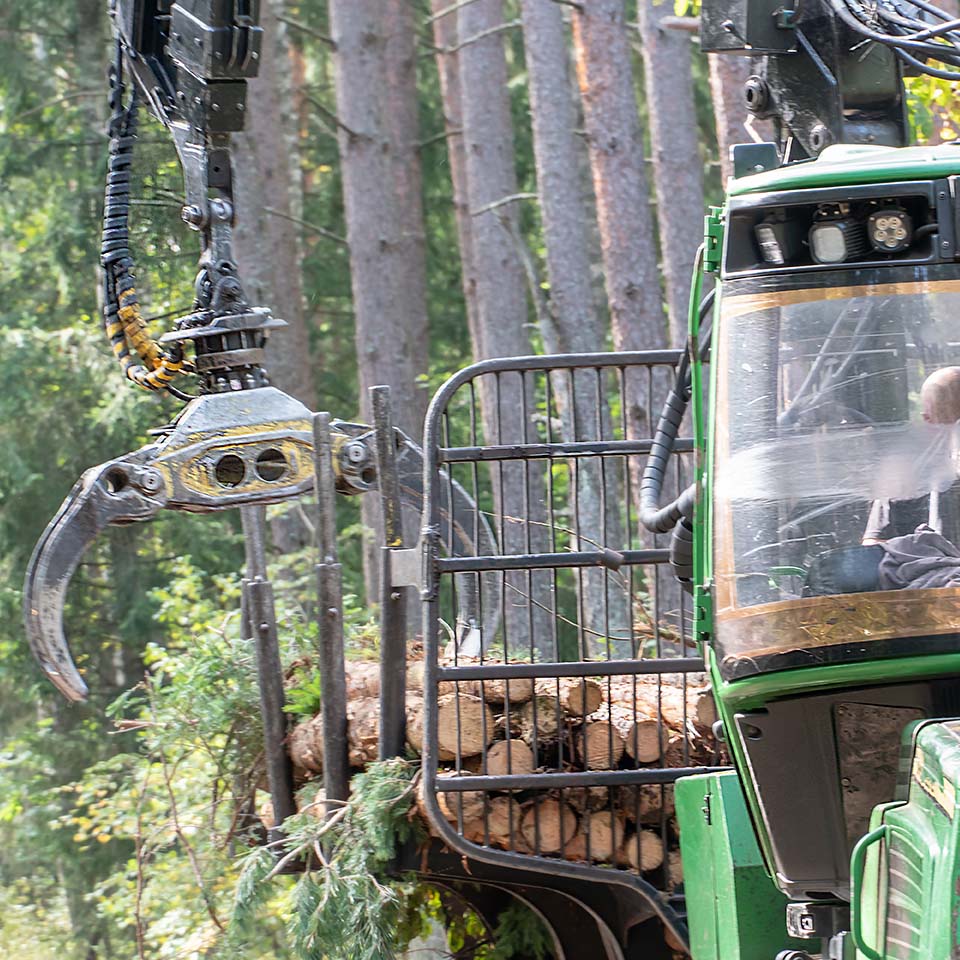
[(836, 501)]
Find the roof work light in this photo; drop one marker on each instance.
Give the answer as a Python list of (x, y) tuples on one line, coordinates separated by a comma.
[(890, 230), (834, 241)]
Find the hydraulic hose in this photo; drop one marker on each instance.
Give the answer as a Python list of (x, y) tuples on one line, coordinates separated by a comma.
[(123, 322), (655, 518)]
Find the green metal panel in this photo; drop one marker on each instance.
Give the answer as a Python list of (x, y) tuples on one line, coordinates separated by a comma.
[(842, 164), (749, 693), (910, 889), (734, 910)]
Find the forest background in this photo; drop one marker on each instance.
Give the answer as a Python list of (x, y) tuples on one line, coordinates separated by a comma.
[(421, 183)]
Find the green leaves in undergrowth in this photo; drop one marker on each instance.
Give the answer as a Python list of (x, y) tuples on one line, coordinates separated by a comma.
[(348, 908), (520, 933)]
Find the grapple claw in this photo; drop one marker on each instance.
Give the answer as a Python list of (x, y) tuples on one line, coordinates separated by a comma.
[(120, 491)]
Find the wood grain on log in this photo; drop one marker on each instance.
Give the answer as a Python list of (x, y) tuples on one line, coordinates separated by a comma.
[(599, 745), (509, 757), (465, 725), (548, 825)]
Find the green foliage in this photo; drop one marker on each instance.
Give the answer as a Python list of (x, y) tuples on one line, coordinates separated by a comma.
[(347, 909), (520, 933)]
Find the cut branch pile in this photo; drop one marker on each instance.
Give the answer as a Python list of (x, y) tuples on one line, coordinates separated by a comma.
[(522, 727)]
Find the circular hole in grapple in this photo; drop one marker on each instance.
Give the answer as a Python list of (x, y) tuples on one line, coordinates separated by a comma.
[(368, 476), (115, 480), (271, 466), (229, 470)]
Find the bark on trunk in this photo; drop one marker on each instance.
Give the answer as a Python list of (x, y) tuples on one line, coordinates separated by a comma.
[(376, 100), (677, 165), (384, 232), (728, 73), (616, 157), (269, 199), (495, 277), (448, 67), (571, 323), (267, 241), (637, 316)]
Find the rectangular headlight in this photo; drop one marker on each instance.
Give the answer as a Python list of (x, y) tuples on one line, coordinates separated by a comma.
[(835, 241)]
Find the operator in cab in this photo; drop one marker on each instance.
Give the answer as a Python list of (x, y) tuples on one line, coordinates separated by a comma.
[(939, 510)]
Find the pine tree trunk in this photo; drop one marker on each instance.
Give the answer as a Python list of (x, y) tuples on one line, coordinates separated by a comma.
[(637, 317), (616, 157), (384, 231), (728, 73), (378, 139), (495, 278), (677, 165), (571, 323), (448, 67), (268, 196)]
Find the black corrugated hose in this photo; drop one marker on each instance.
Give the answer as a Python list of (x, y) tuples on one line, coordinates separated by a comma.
[(676, 516)]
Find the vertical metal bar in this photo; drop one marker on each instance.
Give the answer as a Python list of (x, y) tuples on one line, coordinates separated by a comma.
[(260, 625), (333, 680), (393, 611)]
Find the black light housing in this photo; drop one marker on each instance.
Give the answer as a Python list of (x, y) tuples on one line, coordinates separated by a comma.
[(890, 230), (837, 240), (780, 240)]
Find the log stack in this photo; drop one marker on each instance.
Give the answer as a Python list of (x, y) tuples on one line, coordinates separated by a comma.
[(521, 727)]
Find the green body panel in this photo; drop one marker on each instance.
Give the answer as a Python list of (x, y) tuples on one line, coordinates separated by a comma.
[(836, 166), (852, 165), (909, 895), (734, 910)]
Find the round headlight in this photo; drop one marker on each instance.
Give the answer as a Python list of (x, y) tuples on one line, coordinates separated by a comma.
[(889, 230)]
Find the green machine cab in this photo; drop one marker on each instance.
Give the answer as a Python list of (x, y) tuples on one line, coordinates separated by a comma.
[(826, 565)]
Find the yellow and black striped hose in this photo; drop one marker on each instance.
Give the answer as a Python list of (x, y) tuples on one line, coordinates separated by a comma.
[(123, 322)]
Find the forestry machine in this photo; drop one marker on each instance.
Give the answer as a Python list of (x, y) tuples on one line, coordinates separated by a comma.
[(807, 559)]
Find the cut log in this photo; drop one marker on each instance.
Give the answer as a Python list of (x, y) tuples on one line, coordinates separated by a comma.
[(579, 697), (602, 833), (646, 740), (599, 745), (503, 819), (450, 803), (704, 709), (363, 730), (646, 802), (674, 869), (538, 719), (548, 825), (588, 799), (644, 851), (266, 814), (509, 757), (517, 692), (465, 725), (305, 744)]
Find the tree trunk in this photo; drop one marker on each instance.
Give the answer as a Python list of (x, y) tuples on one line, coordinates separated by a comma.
[(268, 196), (448, 67), (728, 73), (571, 323), (378, 139), (620, 184), (677, 165), (495, 278), (637, 317)]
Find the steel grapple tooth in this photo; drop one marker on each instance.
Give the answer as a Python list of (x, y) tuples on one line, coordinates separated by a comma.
[(105, 494)]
